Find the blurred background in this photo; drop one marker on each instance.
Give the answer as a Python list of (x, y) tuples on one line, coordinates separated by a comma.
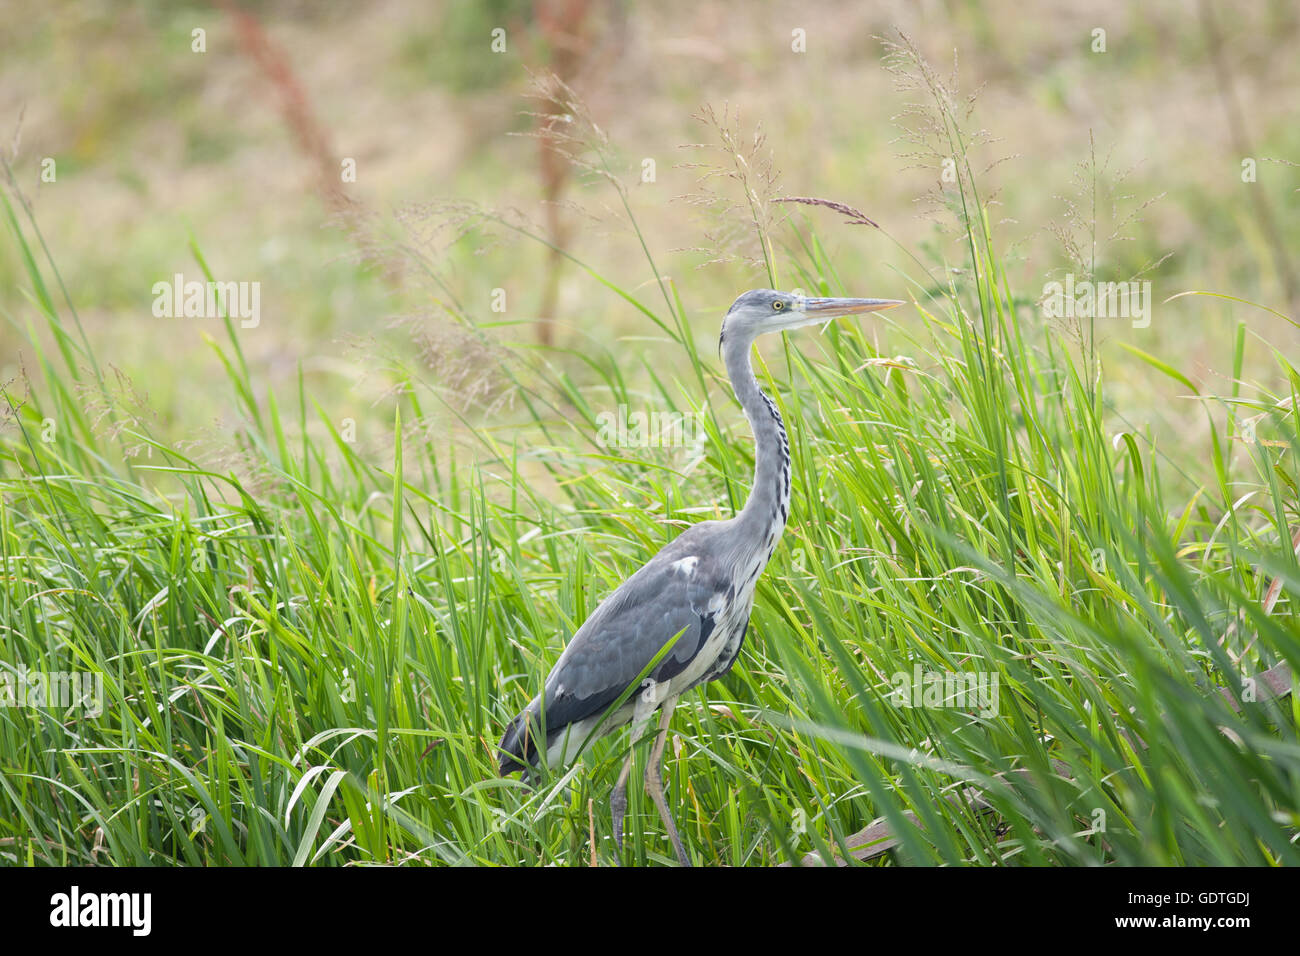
[(493, 223), (1111, 133)]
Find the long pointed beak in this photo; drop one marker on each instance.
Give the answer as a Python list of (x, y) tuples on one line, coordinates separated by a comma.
[(822, 309)]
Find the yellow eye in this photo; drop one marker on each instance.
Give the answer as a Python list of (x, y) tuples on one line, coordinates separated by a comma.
[(778, 305)]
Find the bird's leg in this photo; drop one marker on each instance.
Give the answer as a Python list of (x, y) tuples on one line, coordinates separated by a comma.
[(618, 803), (618, 799), (654, 780)]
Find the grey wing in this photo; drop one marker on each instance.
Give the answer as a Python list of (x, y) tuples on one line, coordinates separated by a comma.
[(677, 591), (616, 643)]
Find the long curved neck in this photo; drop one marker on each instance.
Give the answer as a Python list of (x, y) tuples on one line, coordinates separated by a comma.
[(768, 505)]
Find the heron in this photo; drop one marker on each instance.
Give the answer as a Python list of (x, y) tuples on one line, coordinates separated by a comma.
[(694, 597)]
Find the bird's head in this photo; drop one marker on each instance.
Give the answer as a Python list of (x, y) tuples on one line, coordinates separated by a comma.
[(760, 311)]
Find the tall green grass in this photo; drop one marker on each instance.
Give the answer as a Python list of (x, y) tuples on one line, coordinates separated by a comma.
[(311, 663)]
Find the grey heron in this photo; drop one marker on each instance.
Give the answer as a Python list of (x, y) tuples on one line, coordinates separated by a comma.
[(696, 593)]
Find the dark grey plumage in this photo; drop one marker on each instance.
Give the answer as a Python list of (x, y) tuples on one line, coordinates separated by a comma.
[(623, 634)]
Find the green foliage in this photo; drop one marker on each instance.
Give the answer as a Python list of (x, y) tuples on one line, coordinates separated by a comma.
[(309, 659)]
